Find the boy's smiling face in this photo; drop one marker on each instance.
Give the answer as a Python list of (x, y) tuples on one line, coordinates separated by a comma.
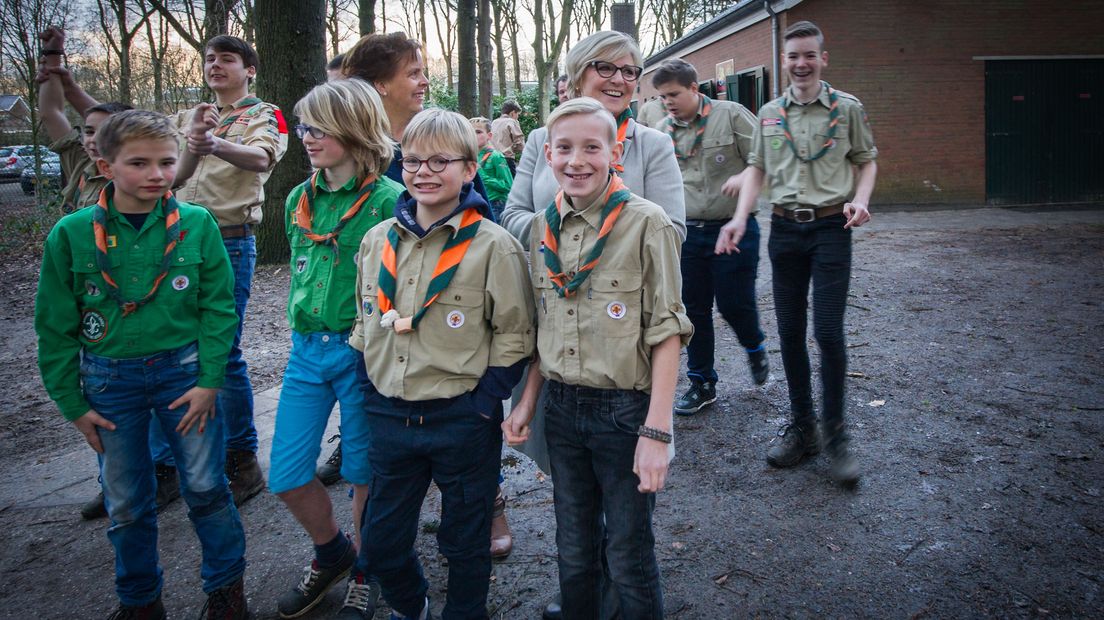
[(437, 192), (226, 71), (579, 152)]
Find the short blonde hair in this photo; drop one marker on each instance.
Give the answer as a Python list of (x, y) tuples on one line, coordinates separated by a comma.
[(131, 125), (481, 122), (580, 106), (607, 45), (441, 131), (350, 110)]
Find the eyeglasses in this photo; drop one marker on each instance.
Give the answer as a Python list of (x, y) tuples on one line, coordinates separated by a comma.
[(437, 163), (303, 130), (631, 73)]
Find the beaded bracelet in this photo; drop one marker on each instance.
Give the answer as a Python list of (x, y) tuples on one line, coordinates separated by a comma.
[(654, 433)]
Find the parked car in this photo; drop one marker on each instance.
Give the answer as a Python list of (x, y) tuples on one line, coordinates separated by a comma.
[(49, 177), (20, 156)]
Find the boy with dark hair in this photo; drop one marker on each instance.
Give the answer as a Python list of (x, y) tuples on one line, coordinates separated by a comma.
[(712, 140), (231, 147), (808, 144), (508, 138), (444, 320), (128, 338)]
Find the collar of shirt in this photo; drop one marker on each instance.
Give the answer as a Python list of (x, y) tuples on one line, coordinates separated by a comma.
[(235, 105), (822, 96), (113, 215), (591, 213), (407, 205), (351, 184), (93, 171)]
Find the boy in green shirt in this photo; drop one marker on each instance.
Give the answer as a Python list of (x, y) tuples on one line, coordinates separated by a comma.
[(135, 316), (493, 168)]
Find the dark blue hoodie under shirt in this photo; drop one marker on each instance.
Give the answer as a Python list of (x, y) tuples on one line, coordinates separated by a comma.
[(498, 382)]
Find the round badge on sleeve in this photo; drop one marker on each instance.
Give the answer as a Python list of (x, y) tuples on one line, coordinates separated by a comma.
[(367, 305), (180, 283), (455, 319), (616, 310), (93, 326)]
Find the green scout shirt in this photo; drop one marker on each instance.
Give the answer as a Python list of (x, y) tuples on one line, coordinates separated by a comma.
[(323, 296), (83, 179), (74, 311), (233, 194), (724, 150), (602, 336), (822, 182), (484, 318), (495, 174)]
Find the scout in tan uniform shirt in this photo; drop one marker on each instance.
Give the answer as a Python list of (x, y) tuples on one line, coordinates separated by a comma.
[(508, 138), (712, 140), (445, 323), (807, 145), (610, 325), (230, 150)]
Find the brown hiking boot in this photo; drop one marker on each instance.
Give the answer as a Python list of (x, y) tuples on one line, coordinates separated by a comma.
[(797, 443), (502, 541), (149, 611), (244, 474), (227, 603)]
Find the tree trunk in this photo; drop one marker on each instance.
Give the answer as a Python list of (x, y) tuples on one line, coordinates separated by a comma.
[(486, 63), (367, 14), (293, 44), (500, 52), (466, 57), (216, 17)]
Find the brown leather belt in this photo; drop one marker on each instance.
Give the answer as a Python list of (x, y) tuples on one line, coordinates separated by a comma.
[(807, 214), (236, 232)]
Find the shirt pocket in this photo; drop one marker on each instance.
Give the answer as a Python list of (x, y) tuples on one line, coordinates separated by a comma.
[(88, 281), (838, 146), (182, 279), (461, 311), (720, 153), (301, 257), (615, 304)]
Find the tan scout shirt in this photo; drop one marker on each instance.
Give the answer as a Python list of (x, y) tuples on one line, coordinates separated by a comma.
[(83, 179), (232, 194), (723, 153), (822, 182), (602, 336), (507, 137), (484, 318)]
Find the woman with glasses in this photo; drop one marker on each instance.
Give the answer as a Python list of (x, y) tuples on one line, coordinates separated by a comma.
[(605, 66)]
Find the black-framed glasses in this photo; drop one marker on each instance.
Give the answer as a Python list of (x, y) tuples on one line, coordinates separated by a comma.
[(631, 73), (302, 131), (437, 163)]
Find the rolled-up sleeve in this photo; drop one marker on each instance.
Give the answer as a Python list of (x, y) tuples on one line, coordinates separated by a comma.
[(510, 308), (664, 313)]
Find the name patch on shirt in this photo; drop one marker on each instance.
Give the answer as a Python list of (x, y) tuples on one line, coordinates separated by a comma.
[(770, 122)]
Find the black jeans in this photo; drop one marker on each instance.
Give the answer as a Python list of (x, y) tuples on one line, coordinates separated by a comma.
[(818, 251), (591, 445), (728, 278)]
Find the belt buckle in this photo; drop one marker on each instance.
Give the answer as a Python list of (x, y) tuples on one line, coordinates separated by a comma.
[(804, 215)]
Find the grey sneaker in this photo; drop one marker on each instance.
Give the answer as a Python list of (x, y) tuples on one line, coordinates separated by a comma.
[(168, 485), (797, 443), (330, 471), (360, 599), (94, 508), (696, 398), (314, 585), (244, 474), (845, 469), (759, 364)]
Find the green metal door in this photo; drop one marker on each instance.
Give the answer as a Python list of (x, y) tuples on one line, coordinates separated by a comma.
[(1044, 131)]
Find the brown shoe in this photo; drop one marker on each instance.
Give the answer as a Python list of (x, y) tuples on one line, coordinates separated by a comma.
[(227, 603), (244, 474), (502, 541)]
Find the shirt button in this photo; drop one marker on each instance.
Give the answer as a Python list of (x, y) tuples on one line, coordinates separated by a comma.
[(571, 351), (457, 298), (325, 258), (134, 279), (401, 359), (570, 312), (137, 248), (410, 281), (575, 238), (179, 260), (326, 338), (320, 285), (614, 283), (316, 310), (418, 245)]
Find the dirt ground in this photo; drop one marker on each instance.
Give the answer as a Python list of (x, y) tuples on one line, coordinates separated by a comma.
[(974, 400)]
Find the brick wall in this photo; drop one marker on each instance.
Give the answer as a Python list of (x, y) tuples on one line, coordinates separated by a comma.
[(912, 65)]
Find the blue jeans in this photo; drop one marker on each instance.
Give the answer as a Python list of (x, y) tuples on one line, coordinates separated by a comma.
[(132, 394), (728, 278), (820, 252), (235, 400), (591, 445), (321, 371), (412, 443)]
